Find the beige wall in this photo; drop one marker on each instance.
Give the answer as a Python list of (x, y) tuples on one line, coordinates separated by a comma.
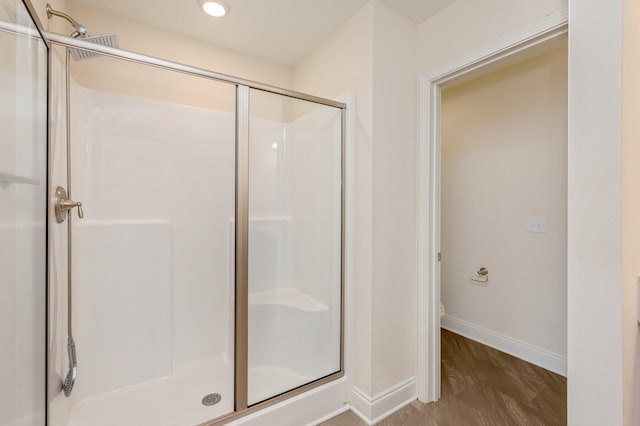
[(124, 77), (470, 24), (373, 55), (141, 38), (630, 210), (55, 25), (395, 93), (504, 158), (343, 63)]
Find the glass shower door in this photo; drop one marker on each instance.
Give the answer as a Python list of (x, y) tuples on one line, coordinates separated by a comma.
[(153, 162), (294, 244), (23, 180)]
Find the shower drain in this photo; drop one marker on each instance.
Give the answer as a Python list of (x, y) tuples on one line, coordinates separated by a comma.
[(211, 399)]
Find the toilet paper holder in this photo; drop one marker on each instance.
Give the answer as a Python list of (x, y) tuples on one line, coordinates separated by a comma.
[(483, 275)]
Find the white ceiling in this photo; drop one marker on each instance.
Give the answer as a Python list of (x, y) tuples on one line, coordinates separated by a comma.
[(283, 31)]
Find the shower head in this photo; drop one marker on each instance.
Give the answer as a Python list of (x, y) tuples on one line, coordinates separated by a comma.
[(109, 40), (72, 374), (69, 380)]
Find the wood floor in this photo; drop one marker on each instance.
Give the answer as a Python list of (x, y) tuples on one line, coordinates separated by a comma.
[(483, 386)]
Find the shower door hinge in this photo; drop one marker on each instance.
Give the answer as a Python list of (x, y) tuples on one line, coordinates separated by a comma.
[(439, 256)]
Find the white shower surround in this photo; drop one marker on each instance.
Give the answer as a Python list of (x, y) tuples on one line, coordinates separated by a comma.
[(116, 210)]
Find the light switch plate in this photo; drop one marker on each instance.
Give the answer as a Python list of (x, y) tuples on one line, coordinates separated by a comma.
[(536, 224)]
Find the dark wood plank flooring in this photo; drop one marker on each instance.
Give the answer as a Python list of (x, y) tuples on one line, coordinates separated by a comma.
[(485, 387)]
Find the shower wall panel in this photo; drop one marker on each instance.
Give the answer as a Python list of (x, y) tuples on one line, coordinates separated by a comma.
[(314, 167), (125, 311), (144, 161)]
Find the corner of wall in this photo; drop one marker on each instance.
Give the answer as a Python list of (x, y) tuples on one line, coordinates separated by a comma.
[(394, 219), (374, 409), (630, 211)]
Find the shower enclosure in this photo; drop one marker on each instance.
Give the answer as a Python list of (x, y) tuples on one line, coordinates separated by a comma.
[(23, 195), (204, 280)]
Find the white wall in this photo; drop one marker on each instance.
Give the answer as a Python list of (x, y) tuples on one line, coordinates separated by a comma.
[(504, 158), (594, 214), (469, 24), (395, 94), (342, 64), (630, 210)]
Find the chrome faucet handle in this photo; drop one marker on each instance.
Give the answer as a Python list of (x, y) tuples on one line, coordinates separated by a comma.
[(62, 205)]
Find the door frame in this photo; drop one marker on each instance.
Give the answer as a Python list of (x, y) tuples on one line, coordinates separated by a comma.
[(429, 150)]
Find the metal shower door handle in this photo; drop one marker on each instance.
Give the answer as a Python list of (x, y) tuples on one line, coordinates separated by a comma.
[(62, 205)]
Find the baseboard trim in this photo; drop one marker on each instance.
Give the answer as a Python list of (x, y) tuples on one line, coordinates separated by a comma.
[(533, 354), (373, 409)]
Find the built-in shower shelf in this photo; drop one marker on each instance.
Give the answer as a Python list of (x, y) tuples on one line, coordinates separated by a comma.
[(289, 297), (6, 178)]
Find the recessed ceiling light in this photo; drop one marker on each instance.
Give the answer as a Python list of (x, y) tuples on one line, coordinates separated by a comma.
[(217, 8)]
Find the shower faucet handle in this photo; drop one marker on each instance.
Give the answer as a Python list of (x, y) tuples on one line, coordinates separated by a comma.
[(62, 205), (69, 204)]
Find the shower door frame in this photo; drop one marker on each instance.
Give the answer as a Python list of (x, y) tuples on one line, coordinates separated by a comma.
[(243, 86)]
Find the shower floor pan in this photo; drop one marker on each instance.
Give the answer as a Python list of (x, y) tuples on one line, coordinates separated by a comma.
[(177, 400), (172, 400)]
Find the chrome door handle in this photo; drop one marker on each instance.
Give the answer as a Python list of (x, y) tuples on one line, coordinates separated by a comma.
[(62, 205)]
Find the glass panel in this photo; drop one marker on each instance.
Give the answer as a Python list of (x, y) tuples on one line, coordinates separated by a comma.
[(294, 243), (153, 162), (23, 150)]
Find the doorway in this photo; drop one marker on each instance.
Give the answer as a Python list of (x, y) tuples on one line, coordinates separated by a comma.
[(503, 207), (503, 210), (505, 52)]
